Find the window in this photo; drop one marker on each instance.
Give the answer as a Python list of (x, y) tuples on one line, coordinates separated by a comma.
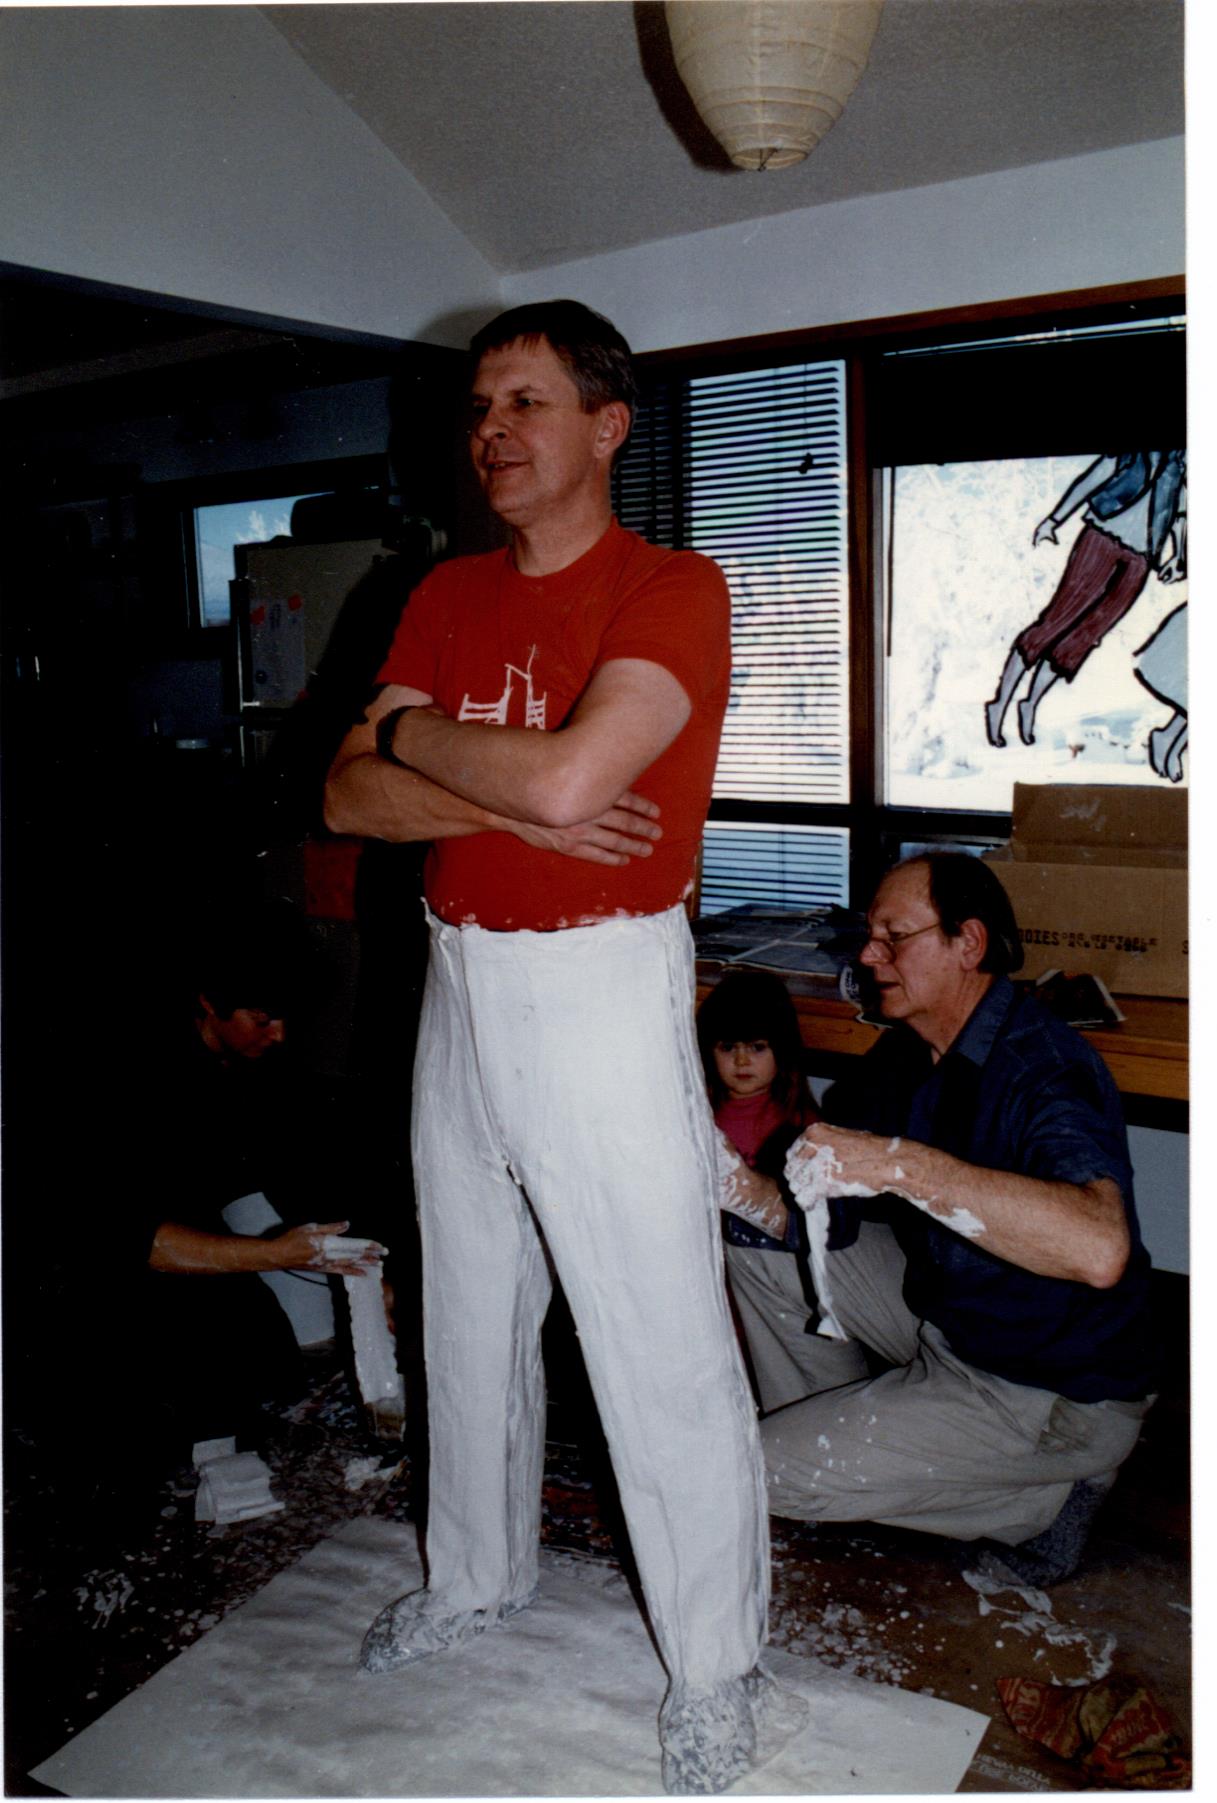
[(1033, 629), (347, 497), (217, 531), (876, 698)]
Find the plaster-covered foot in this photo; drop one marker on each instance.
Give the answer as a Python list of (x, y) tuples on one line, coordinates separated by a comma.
[(1026, 722), (417, 1625), (711, 1737), (777, 1713), (994, 711)]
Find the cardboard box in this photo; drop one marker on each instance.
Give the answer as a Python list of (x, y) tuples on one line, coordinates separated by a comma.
[(1097, 876)]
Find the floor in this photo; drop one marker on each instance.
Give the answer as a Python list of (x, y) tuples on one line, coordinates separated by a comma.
[(95, 1609)]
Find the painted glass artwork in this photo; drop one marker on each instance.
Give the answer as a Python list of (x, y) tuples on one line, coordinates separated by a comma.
[(1037, 625)]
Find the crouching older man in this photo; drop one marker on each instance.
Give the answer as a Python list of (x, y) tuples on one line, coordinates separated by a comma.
[(999, 1276)]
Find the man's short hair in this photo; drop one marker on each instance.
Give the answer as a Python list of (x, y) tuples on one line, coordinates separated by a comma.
[(258, 957), (962, 888), (596, 356)]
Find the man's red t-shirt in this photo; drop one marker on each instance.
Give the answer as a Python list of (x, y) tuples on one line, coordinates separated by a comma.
[(490, 644)]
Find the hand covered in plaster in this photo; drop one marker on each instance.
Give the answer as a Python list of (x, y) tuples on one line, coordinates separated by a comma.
[(1044, 532), (322, 1247), (860, 1164), (746, 1193), (861, 1161), (624, 831)]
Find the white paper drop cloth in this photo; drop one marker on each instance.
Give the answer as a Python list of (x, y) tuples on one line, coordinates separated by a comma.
[(561, 1701)]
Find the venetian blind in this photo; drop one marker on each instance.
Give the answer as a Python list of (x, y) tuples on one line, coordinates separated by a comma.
[(767, 500), (750, 468)]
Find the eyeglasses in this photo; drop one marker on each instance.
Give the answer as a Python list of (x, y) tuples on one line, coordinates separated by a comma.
[(890, 945)]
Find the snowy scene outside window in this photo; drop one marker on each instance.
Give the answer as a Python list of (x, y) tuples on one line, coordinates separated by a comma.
[(973, 558)]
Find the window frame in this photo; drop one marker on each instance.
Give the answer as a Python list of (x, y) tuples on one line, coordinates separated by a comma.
[(876, 828)]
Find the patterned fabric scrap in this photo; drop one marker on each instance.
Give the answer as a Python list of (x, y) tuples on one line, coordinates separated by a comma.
[(1113, 1730)]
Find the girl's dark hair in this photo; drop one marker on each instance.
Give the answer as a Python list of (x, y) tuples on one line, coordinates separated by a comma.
[(755, 1004)]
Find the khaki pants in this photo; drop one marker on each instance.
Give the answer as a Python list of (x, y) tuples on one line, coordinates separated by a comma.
[(933, 1443)]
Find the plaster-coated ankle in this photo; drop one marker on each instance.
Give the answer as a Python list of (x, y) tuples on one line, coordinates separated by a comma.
[(415, 1626), (707, 1738)]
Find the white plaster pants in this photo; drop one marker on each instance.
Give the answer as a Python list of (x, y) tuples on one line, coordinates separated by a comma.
[(558, 1087), (934, 1443)]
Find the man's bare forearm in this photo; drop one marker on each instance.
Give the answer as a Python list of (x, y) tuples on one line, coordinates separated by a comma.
[(1076, 1231), (193, 1252), (746, 1193), (626, 718), (370, 798)]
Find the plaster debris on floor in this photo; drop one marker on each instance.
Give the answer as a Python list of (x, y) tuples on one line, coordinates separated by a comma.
[(93, 1614)]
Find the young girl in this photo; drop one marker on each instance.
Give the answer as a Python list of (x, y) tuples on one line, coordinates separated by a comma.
[(752, 1054)]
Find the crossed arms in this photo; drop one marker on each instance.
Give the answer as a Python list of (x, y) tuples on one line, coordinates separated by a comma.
[(566, 791)]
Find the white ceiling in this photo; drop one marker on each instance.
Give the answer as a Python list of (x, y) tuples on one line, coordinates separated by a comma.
[(552, 129)]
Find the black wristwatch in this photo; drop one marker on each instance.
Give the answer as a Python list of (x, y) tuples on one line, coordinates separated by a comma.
[(386, 727)]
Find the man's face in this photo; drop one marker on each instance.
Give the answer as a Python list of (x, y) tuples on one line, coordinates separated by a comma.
[(534, 448), (245, 1033), (918, 976)]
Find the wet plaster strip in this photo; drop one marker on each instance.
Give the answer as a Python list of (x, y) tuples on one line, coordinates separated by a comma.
[(562, 1701)]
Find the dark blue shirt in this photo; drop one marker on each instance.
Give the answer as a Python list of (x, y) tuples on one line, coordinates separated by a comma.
[(1017, 1091)]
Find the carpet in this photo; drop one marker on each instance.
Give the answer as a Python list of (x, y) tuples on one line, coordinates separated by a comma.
[(560, 1701)]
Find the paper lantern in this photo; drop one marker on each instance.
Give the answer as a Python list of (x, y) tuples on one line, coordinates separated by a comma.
[(769, 77)]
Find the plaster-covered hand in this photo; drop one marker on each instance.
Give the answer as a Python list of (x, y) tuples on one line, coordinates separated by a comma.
[(1077, 1231), (863, 1159), (746, 1193), (191, 1252), (1045, 532), (626, 830), (325, 1248)]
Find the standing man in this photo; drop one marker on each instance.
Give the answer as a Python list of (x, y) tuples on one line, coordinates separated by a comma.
[(1000, 1278), (558, 1094)]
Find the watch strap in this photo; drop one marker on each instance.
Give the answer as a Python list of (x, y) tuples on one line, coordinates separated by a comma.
[(386, 729)]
